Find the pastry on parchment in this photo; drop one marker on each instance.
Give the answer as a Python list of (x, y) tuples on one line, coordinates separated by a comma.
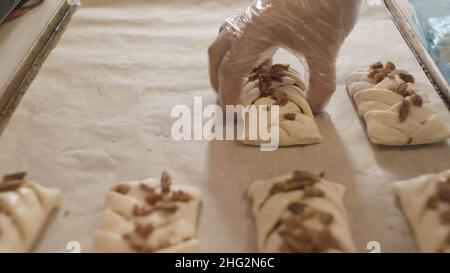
[(150, 216), (395, 110), (24, 209), (300, 212), (282, 86), (425, 201)]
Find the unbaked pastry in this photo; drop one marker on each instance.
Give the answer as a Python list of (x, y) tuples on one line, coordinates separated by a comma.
[(281, 85), (150, 216), (24, 209), (394, 111), (425, 201), (300, 212)]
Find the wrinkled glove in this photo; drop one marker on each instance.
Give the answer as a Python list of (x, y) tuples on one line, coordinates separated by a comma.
[(313, 30)]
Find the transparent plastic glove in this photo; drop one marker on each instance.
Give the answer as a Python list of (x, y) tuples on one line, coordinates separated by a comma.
[(314, 30)]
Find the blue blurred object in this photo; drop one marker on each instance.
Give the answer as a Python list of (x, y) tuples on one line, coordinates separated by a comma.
[(433, 24)]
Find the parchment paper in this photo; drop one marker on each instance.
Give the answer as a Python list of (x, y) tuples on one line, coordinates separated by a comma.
[(99, 113)]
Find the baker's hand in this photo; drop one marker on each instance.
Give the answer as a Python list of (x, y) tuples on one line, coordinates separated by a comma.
[(313, 30)]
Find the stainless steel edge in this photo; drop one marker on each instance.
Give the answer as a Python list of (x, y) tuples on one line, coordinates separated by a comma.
[(423, 57), (29, 67)]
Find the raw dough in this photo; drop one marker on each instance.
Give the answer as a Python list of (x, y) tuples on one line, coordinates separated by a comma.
[(281, 85), (24, 208), (150, 216), (300, 212), (425, 201), (394, 111)]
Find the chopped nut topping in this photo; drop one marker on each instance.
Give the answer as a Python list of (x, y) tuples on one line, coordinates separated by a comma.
[(296, 208), (166, 181), (265, 76), (11, 185), (404, 111), (279, 97), (379, 77), (372, 74), (445, 218), (376, 65), (298, 181), (444, 192), (296, 185), (146, 188), (14, 176), (401, 88), (276, 188), (181, 196), (326, 218), (390, 66), (144, 231), (12, 182), (290, 116), (302, 175), (153, 198), (122, 189), (406, 77), (141, 211), (417, 100), (312, 192)]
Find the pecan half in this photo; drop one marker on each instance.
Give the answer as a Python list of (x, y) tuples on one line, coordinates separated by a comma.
[(153, 198), (166, 181), (290, 116), (122, 189), (406, 77), (404, 111), (376, 65), (417, 100), (15, 176), (11, 185), (390, 66)]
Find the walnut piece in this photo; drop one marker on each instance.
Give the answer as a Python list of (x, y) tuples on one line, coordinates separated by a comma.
[(122, 189), (166, 181), (404, 111)]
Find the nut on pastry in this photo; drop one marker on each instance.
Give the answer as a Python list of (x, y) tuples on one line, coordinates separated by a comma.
[(300, 213), (395, 111), (150, 216), (280, 85)]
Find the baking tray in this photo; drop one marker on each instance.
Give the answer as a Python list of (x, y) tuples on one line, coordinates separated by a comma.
[(99, 113), (398, 9), (18, 83)]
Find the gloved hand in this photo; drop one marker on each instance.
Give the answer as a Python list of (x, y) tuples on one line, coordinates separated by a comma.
[(314, 30)]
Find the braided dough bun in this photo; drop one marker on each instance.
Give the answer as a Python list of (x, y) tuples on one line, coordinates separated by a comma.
[(300, 212), (395, 112), (281, 85), (144, 216), (24, 209), (425, 201)]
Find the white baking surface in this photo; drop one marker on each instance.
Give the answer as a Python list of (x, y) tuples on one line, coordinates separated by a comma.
[(99, 113), (19, 35)]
